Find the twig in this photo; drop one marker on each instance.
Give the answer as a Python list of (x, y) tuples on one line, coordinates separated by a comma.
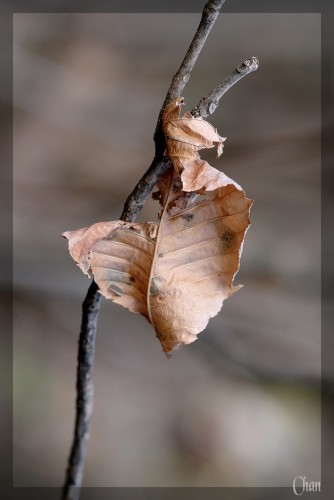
[(84, 386), (181, 77), (137, 198), (209, 102), (132, 207)]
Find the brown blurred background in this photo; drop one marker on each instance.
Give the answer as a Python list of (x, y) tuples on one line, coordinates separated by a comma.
[(241, 406)]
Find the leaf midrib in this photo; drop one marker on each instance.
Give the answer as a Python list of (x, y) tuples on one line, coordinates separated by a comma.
[(148, 300)]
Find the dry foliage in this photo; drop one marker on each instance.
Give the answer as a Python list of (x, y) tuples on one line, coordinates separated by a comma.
[(177, 272)]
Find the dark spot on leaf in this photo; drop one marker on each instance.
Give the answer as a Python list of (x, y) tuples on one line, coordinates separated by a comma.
[(160, 254), (187, 217), (177, 185), (132, 279), (227, 239)]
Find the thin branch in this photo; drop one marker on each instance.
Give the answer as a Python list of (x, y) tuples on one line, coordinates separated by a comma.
[(209, 102), (137, 198), (84, 386), (181, 77), (132, 207)]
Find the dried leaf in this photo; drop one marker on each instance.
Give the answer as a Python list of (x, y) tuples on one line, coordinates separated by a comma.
[(178, 272), (185, 137)]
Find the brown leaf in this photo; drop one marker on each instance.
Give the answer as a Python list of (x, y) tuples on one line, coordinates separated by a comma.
[(185, 137), (177, 273)]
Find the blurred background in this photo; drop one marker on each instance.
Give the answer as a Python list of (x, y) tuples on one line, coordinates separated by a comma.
[(240, 406)]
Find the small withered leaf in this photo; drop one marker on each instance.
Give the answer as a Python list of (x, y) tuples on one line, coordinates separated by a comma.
[(185, 136)]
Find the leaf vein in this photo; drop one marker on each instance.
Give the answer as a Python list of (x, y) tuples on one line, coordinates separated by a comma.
[(122, 272), (190, 263), (204, 222)]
